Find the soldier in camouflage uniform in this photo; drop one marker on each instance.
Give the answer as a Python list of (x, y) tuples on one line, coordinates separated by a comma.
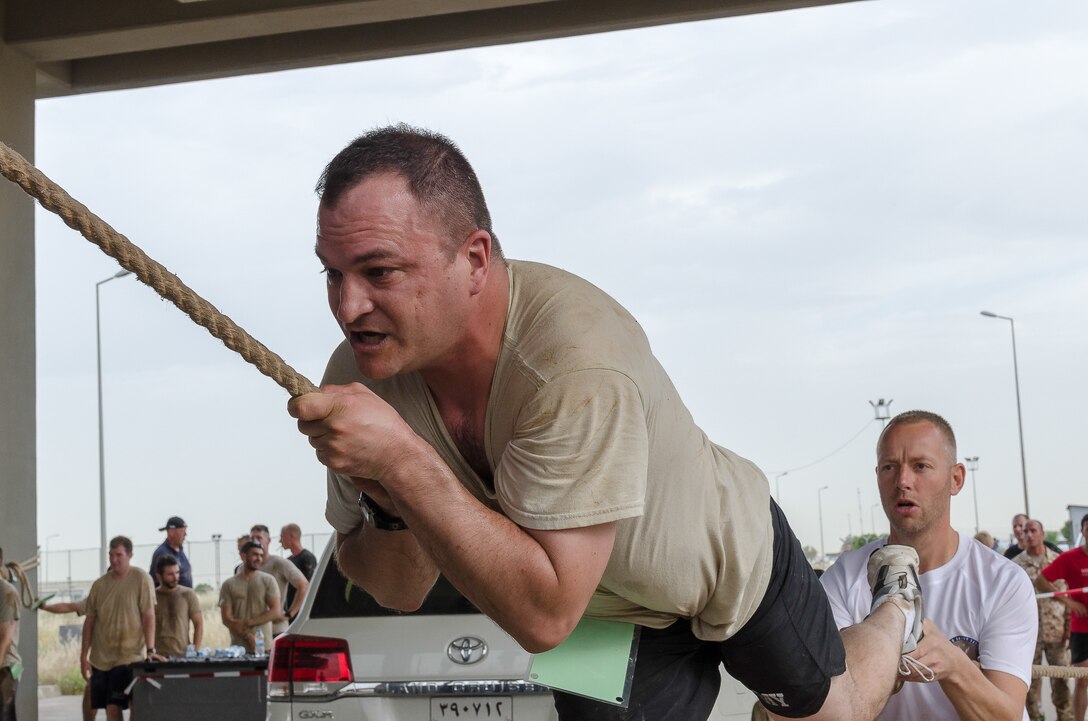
[(1053, 626)]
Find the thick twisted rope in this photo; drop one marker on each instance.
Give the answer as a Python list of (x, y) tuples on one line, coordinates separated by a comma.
[(75, 215), (15, 573)]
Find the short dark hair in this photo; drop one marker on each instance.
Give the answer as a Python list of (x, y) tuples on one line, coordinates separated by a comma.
[(260, 527), (439, 177), (121, 541), (165, 560), (909, 417), (252, 544)]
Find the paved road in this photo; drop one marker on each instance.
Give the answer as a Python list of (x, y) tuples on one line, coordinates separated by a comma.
[(67, 708), (61, 708)]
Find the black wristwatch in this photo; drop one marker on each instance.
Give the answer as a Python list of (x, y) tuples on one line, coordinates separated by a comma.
[(375, 516)]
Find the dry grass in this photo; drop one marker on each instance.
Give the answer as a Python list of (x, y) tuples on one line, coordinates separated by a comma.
[(60, 660)]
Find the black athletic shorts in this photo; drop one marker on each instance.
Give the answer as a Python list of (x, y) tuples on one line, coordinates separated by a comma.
[(786, 654), (1078, 647), (108, 687)]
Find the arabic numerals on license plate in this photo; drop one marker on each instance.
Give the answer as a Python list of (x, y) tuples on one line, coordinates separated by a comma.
[(472, 708)]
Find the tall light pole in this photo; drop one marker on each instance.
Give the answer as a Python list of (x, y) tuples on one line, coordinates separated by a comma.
[(872, 518), (820, 507), (972, 465), (101, 439), (1019, 416), (778, 487), (216, 538)]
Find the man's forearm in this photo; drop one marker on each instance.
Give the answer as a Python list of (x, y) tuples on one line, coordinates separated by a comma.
[(198, 629), (389, 565), (148, 620), (301, 586), (85, 641), (7, 632), (499, 566), (976, 698)]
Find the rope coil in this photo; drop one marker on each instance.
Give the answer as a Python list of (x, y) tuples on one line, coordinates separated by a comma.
[(77, 216)]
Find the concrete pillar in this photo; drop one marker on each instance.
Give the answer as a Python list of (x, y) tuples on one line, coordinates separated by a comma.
[(18, 493)]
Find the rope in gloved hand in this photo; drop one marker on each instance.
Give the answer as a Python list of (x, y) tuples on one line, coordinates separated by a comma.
[(15, 573), (75, 215)]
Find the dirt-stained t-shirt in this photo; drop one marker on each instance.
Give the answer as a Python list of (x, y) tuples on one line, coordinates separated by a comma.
[(173, 611), (117, 605), (286, 574), (584, 427), (248, 598), (9, 613)]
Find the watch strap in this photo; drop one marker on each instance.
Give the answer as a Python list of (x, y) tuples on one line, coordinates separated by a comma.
[(374, 515)]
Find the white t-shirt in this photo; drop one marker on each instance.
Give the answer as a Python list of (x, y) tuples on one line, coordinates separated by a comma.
[(980, 601)]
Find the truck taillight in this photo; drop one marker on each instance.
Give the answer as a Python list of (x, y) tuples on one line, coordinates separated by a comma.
[(308, 666)]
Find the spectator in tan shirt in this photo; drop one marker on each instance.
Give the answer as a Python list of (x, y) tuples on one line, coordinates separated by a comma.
[(119, 629), (250, 600), (175, 608), (285, 573)]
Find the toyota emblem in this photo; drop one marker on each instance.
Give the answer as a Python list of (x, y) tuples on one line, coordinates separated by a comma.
[(466, 650)]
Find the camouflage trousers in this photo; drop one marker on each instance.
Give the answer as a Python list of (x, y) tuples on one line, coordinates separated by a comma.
[(1057, 654)]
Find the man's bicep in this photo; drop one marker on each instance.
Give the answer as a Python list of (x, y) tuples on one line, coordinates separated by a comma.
[(578, 556)]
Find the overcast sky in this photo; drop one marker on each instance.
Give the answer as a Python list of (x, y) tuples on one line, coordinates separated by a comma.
[(806, 211)]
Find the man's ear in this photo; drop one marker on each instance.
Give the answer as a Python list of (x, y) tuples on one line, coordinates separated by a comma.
[(959, 474), (477, 249)]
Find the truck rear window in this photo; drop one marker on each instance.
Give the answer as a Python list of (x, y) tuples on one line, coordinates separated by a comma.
[(337, 598)]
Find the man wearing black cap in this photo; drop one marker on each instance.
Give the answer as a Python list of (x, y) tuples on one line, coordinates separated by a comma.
[(174, 546)]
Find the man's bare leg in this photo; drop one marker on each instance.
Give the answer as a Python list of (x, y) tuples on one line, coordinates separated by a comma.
[(1080, 696), (873, 648)]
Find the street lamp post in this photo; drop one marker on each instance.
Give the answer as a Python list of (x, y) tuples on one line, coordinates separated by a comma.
[(778, 487), (101, 439), (872, 518), (820, 508), (1019, 416), (972, 465), (216, 538)]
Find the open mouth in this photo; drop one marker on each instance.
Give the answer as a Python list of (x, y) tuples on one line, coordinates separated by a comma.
[(366, 338), (903, 505)]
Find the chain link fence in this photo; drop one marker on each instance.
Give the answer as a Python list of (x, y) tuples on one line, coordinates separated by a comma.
[(70, 572)]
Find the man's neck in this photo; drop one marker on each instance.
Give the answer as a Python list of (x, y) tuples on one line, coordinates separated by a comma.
[(120, 574), (248, 573), (1040, 550), (934, 547), (294, 548), (463, 381), (176, 548)]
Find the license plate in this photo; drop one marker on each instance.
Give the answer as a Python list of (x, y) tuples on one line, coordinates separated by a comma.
[(471, 708)]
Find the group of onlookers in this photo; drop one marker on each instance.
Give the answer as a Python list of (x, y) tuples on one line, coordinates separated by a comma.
[(132, 615)]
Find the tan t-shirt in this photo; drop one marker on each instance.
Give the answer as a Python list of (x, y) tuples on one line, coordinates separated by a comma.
[(584, 427), (248, 598), (173, 611), (9, 613), (117, 605), (285, 573)]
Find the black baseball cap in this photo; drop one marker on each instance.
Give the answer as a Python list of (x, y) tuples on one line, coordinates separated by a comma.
[(174, 522)]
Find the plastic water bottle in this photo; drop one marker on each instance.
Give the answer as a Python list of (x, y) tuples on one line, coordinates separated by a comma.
[(190, 651), (259, 645)]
